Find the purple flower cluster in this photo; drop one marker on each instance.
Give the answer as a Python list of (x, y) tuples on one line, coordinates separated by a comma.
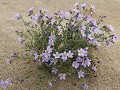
[(65, 41), (5, 83)]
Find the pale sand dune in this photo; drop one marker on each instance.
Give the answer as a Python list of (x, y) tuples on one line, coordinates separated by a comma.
[(109, 69)]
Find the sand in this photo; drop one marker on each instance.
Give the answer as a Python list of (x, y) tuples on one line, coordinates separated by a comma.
[(108, 72)]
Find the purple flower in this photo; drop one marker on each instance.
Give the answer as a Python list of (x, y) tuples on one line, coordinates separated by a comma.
[(75, 64), (57, 55), (54, 61), (86, 62), (31, 9), (76, 4), (82, 52), (17, 16), (45, 59), (97, 31), (20, 40), (51, 42), (108, 43), (51, 17), (94, 67), (54, 70), (85, 86), (79, 17), (62, 76), (81, 74), (62, 14), (97, 48), (50, 84), (114, 38), (64, 56), (35, 55), (76, 10), (46, 16), (67, 15), (90, 36), (52, 37), (95, 42), (59, 27), (34, 18), (84, 26), (83, 5), (88, 18), (92, 7), (70, 54), (78, 59), (38, 16), (46, 54), (49, 49), (83, 33), (110, 27), (94, 23)]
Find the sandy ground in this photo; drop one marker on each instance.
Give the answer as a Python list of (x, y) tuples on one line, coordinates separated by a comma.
[(108, 73)]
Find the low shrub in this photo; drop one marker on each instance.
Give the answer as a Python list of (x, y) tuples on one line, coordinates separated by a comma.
[(64, 42)]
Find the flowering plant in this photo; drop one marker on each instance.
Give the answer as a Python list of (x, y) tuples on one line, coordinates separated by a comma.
[(64, 42)]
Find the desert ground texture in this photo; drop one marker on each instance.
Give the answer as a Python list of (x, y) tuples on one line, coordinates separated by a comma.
[(108, 71)]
